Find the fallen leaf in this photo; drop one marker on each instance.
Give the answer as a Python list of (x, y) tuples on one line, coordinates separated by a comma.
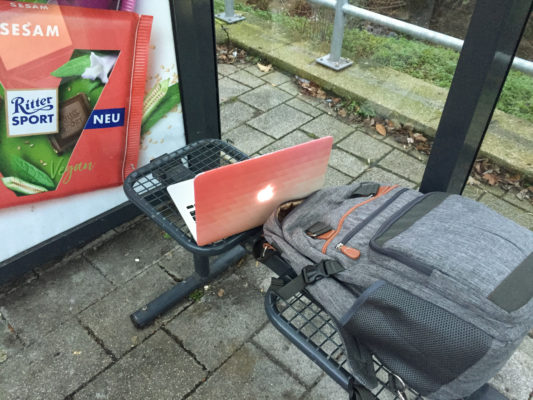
[(530, 189), (472, 181), (522, 195), (381, 129), (264, 68), (419, 137), (336, 100), (342, 112), (320, 94), (390, 124), (372, 122), (220, 293), (490, 178)]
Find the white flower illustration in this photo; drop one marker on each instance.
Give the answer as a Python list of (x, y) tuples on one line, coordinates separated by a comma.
[(100, 67)]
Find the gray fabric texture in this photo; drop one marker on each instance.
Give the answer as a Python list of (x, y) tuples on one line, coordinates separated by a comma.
[(469, 248)]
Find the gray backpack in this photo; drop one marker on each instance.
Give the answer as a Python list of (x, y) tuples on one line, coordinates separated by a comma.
[(437, 286)]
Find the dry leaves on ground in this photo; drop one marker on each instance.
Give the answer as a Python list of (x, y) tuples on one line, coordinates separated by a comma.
[(264, 68), (310, 88), (381, 129), (484, 171), (226, 55)]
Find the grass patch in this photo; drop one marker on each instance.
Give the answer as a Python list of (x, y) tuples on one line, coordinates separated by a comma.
[(421, 60), (196, 295)]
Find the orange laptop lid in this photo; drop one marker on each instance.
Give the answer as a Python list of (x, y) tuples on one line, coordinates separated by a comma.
[(241, 196)]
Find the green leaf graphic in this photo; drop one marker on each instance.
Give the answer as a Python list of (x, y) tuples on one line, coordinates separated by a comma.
[(74, 67)]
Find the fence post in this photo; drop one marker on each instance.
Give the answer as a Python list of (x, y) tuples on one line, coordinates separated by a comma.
[(228, 16), (334, 60)]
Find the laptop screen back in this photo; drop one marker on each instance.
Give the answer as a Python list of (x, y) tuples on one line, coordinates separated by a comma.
[(241, 196)]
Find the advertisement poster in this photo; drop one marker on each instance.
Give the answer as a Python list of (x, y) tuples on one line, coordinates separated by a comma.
[(34, 164)]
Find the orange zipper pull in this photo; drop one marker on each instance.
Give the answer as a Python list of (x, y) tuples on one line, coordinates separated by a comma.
[(327, 235), (350, 252)]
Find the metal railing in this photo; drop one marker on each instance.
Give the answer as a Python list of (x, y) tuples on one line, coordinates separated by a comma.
[(335, 61)]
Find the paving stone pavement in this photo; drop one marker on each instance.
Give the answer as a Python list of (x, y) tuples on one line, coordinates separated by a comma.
[(65, 331)]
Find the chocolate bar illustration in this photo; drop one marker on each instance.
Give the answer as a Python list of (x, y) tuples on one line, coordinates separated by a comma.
[(73, 114)]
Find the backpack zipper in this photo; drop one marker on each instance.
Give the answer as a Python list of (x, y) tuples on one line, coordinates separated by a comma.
[(363, 223), (382, 191)]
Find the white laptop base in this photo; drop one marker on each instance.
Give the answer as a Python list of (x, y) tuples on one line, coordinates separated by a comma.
[(182, 194)]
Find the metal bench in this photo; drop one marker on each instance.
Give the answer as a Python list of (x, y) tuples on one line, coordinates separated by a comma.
[(300, 319)]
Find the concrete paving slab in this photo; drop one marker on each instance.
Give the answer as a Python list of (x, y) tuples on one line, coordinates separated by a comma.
[(131, 252), (229, 90), (365, 147), (473, 192), (391, 141), (247, 139), (109, 318), (249, 374), (406, 165), (234, 114), (336, 178), (215, 327), (293, 138), (10, 344), (506, 209), (314, 101), (304, 107), (511, 197), (515, 379), (53, 367), (178, 262), (227, 69), (327, 388), (257, 274), (279, 121), (326, 125), (35, 309), (290, 87), (247, 78), (346, 163), (376, 174), (276, 78), (287, 354), (254, 70), (158, 369), (265, 97)]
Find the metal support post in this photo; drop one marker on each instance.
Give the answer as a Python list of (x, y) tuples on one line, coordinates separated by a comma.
[(194, 38), (228, 16), (334, 60), (203, 274)]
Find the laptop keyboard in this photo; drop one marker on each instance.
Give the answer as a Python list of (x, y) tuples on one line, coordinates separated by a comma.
[(192, 211)]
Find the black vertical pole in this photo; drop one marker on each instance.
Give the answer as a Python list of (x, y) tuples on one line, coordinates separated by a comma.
[(490, 45), (194, 38)]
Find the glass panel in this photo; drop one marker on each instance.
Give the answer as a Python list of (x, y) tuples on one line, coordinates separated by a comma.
[(382, 111), (504, 181), (71, 109)]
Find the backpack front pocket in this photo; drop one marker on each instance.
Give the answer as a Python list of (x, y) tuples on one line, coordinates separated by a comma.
[(457, 237)]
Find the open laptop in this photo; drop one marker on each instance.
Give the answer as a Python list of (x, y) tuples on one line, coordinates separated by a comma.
[(234, 198)]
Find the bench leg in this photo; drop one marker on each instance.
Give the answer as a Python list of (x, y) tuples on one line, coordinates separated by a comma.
[(204, 273)]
